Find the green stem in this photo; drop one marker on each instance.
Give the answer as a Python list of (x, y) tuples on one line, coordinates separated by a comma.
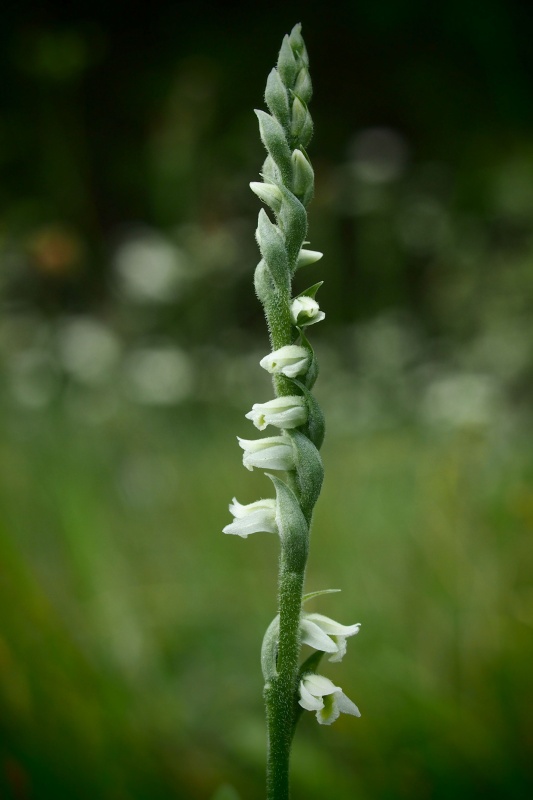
[(280, 692)]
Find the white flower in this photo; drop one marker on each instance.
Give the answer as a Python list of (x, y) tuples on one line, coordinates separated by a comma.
[(305, 311), (290, 360), (306, 257), (272, 452), (284, 412), (321, 695), (325, 634), (252, 518)]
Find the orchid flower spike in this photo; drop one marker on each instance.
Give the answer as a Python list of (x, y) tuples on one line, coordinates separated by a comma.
[(325, 634), (252, 518), (321, 695), (288, 411), (291, 360), (272, 452)]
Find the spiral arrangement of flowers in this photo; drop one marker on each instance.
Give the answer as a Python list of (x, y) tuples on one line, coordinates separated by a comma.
[(286, 189)]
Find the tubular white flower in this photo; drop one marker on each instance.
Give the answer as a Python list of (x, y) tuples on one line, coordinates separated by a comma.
[(325, 634), (252, 518), (321, 695), (290, 360), (272, 452), (289, 411), (307, 257), (305, 311)]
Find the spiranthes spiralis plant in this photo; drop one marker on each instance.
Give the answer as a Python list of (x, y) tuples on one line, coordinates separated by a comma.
[(286, 189)]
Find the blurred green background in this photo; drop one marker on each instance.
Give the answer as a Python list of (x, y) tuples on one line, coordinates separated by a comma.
[(130, 337)]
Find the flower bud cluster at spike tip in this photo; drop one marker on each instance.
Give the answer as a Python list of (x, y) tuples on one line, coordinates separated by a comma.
[(252, 518), (291, 360), (288, 411)]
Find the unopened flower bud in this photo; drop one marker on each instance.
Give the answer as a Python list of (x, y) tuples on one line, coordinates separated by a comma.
[(306, 257), (297, 43), (287, 66), (299, 116), (303, 86), (303, 181), (268, 193), (302, 123), (277, 98)]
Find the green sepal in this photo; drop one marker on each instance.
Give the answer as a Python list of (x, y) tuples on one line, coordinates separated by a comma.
[(315, 427), (311, 292), (312, 595), (292, 526), (277, 99), (303, 86), (287, 65), (302, 122), (299, 116), (309, 471), (306, 134), (293, 221), (297, 43), (263, 282), (269, 650), (312, 371), (273, 137), (272, 246), (270, 172), (303, 176)]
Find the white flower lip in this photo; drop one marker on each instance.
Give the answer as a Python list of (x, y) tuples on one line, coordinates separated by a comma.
[(319, 694), (291, 360), (284, 412), (305, 311), (256, 517), (271, 452), (325, 634)]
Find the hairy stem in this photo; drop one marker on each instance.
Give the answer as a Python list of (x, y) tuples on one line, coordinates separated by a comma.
[(281, 690)]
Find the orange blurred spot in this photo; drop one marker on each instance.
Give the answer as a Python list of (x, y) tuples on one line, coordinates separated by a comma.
[(55, 250)]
